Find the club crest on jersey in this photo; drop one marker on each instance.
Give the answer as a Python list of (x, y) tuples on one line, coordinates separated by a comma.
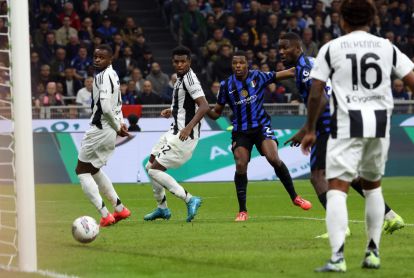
[(244, 93)]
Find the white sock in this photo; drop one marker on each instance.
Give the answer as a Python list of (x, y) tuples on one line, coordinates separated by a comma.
[(170, 183), (106, 187), (90, 188), (158, 190), (390, 215), (374, 217), (336, 222)]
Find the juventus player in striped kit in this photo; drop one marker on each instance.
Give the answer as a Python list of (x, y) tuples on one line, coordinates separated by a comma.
[(360, 67), (99, 141), (176, 146), (290, 47)]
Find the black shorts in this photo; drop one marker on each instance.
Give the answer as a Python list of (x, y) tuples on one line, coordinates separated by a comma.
[(318, 152), (252, 137)]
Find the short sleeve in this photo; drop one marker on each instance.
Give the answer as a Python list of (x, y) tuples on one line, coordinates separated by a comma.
[(221, 97), (322, 66), (267, 77), (401, 64), (105, 85), (193, 86)]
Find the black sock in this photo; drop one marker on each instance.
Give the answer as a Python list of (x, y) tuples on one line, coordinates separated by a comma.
[(283, 174), (240, 180), (356, 184), (322, 199)]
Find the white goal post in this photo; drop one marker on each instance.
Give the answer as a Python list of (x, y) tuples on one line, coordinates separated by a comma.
[(22, 114)]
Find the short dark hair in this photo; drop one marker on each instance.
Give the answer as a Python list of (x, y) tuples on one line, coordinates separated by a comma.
[(181, 50), (358, 13), (292, 37), (239, 53), (105, 47)]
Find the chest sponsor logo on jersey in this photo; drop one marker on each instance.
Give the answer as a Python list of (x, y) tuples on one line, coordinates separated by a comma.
[(250, 99), (363, 99)]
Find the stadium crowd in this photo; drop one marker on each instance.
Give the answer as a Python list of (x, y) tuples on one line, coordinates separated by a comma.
[(64, 33)]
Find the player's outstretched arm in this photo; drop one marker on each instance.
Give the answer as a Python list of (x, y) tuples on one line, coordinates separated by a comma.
[(201, 111), (166, 113), (215, 112), (285, 74)]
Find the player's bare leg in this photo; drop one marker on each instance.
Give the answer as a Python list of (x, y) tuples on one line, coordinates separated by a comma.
[(241, 158), (269, 149)]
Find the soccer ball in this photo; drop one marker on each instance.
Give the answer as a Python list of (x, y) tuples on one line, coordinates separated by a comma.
[(85, 229)]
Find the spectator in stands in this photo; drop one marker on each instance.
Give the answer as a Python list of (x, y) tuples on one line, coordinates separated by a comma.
[(72, 48), (239, 15), (326, 38), (45, 76), (147, 96), (74, 17), (159, 80), (84, 95), (118, 46), (39, 34), (81, 63), (219, 14), (86, 33), (50, 16), (376, 28), (51, 97), (385, 16), (398, 90), (35, 66), (222, 66), (398, 29), (274, 93), (133, 123), (211, 94), (169, 90), (210, 26), (318, 29), (244, 42), (139, 47), (262, 49), (231, 31), (193, 26), (271, 59), (293, 26), (106, 30), (123, 66), (136, 75), (129, 95), (66, 31), (145, 62), (114, 14), (130, 31), (94, 12), (335, 28), (254, 12), (253, 31), (309, 46), (251, 58), (408, 47), (47, 51), (58, 64), (70, 85), (211, 47), (272, 29)]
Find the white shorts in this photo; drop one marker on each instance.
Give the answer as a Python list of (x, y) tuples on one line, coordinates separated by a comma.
[(171, 152), (349, 158), (97, 146)]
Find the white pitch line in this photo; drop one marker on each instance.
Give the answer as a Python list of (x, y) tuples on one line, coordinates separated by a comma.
[(46, 273)]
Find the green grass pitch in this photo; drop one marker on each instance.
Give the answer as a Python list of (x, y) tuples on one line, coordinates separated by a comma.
[(277, 240)]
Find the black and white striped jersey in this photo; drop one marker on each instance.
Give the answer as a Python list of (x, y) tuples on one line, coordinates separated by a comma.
[(106, 86), (187, 88), (360, 66)]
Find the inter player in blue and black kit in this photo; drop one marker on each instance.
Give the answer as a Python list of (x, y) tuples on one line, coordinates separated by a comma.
[(290, 50), (243, 91)]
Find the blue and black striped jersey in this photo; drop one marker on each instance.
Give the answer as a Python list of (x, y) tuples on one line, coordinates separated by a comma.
[(304, 66), (245, 99)]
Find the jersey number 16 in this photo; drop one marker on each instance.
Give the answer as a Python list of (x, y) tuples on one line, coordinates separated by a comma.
[(365, 66)]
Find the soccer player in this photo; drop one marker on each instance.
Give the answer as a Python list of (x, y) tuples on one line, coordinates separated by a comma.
[(244, 91), (360, 66), (99, 141), (291, 53), (176, 146)]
